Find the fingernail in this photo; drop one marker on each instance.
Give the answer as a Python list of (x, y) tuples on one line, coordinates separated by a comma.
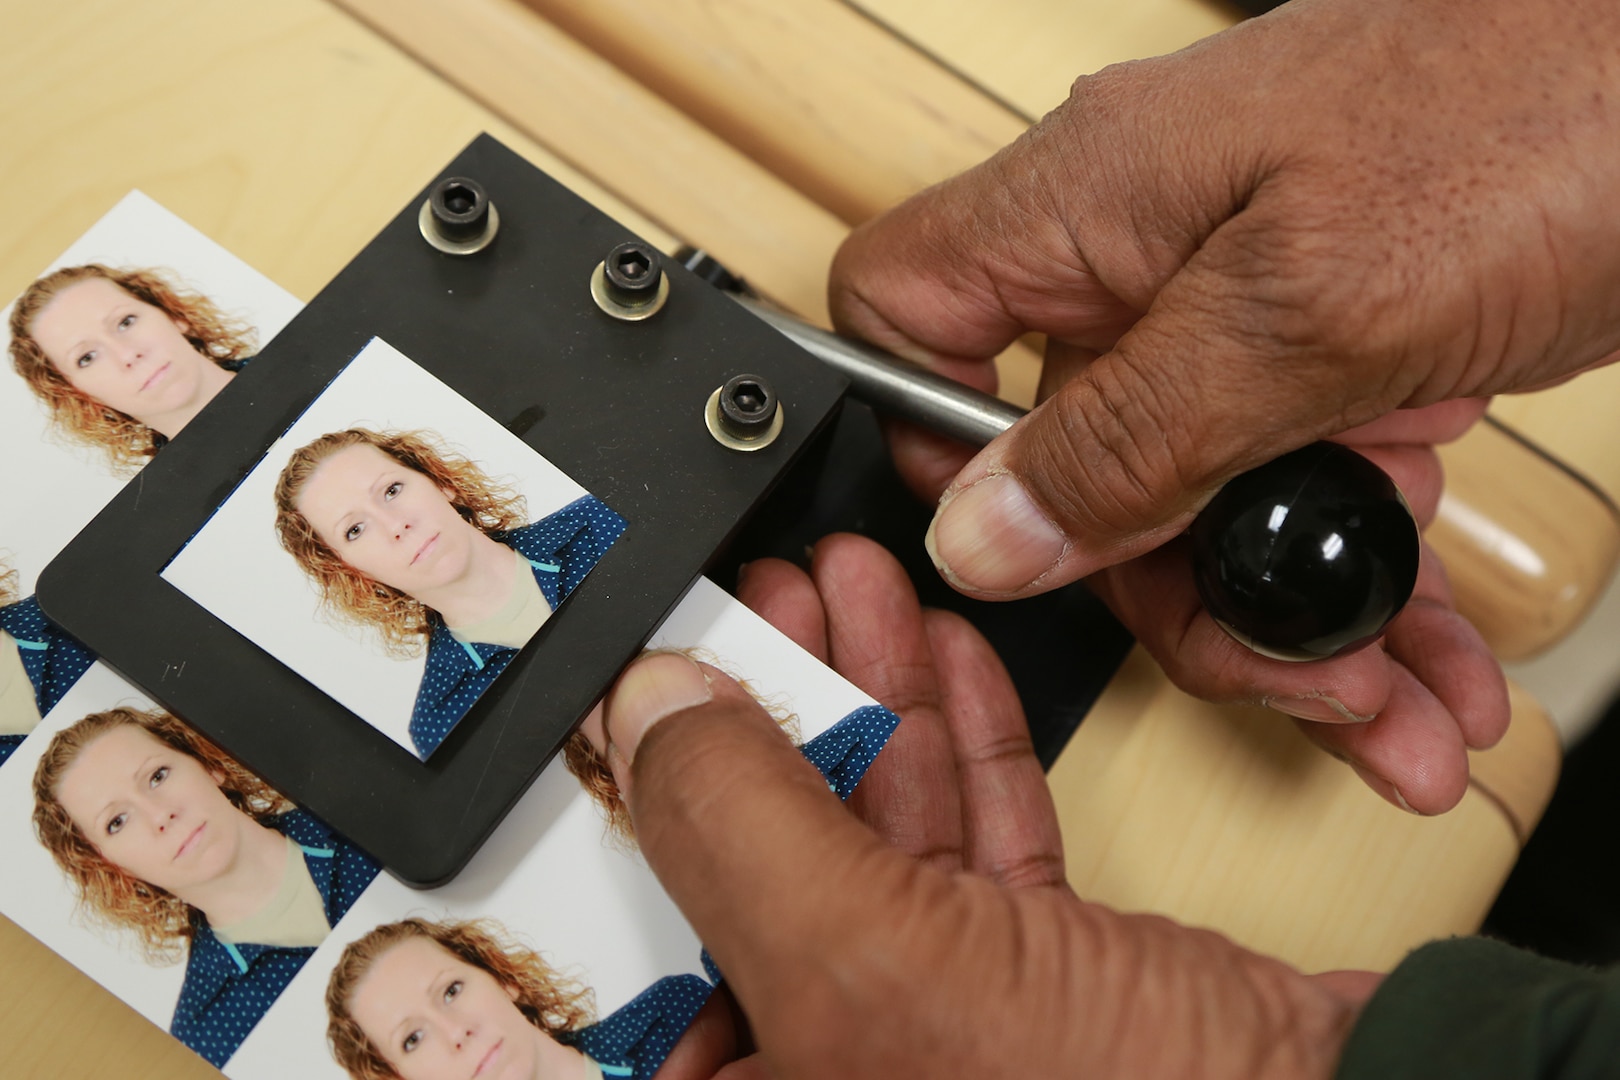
[(1383, 787), (990, 537), (742, 574), (1318, 707), (651, 689)]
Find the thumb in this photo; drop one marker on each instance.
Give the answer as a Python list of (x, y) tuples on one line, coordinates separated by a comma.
[(762, 858), (1227, 370)]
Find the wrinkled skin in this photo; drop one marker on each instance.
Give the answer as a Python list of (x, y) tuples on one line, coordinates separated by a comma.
[(1347, 220), (934, 936)]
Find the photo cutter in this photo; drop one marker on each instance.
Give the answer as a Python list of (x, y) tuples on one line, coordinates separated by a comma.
[(690, 410), (651, 388)]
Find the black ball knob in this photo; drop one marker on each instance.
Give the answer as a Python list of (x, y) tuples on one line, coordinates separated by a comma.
[(1308, 556)]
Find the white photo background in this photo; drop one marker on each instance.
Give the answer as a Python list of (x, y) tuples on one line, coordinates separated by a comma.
[(236, 569), (50, 488), (549, 876)]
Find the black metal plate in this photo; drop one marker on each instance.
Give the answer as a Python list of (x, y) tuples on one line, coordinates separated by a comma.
[(616, 405), (1060, 647)]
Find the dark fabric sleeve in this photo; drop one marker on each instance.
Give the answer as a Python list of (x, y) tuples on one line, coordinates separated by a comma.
[(1475, 1008)]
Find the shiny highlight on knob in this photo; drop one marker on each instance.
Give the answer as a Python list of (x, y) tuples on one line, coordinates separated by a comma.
[(1308, 556)]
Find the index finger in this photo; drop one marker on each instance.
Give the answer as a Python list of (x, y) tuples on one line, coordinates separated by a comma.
[(877, 641)]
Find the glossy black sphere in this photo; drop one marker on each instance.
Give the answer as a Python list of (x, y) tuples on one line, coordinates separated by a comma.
[(1308, 556)]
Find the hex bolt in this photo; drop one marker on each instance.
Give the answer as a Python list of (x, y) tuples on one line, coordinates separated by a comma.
[(630, 284), (633, 272), (747, 406), (458, 218), (744, 413)]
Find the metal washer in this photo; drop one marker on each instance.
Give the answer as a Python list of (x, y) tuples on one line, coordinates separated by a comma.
[(430, 232), (627, 312), (716, 425)]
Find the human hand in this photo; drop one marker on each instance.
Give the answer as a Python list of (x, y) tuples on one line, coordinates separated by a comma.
[(939, 937), (1349, 220)]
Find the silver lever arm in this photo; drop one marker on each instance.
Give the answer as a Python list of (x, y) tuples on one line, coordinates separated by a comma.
[(898, 387)]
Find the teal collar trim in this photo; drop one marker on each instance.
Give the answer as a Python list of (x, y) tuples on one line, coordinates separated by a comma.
[(241, 964)]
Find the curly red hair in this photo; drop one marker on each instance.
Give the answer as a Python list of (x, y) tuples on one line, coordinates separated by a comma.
[(552, 1002), (127, 442), (399, 618), (161, 920)]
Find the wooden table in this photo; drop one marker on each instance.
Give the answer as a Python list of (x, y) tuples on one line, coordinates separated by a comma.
[(290, 132)]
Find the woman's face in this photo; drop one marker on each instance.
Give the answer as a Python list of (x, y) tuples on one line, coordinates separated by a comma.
[(432, 1015), (120, 351), (386, 520), (151, 810)]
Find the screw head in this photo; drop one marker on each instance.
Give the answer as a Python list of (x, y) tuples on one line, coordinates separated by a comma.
[(460, 208), (747, 406), (633, 268)]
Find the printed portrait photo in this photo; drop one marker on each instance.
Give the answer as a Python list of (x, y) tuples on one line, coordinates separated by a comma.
[(434, 997), (110, 351), (157, 864), (396, 547), (556, 912)]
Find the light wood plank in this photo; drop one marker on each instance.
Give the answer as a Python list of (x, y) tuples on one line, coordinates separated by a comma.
[(1027, 52), (813, 91), (1574, 422), (286, 132), (57, 1023), (1529, 546), (1229, 818)]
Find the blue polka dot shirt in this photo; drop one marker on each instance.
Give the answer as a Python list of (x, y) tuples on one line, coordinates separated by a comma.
[(846, 750), (229, 987), (52, 660), (561, 548), (635, 1040)]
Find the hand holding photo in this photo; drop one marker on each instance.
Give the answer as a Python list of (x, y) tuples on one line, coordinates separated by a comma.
[(842, 753), (401, 568), (553, 904)]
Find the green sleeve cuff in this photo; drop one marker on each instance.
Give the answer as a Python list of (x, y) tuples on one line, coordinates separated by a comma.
[(1479, 1009)]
